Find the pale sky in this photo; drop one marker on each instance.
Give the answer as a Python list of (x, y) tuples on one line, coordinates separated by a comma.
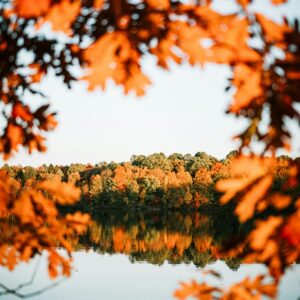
[(183, 111)]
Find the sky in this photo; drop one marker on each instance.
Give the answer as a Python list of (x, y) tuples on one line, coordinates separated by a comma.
[(183, 111)]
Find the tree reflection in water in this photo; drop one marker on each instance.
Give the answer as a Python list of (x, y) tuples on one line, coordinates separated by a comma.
[(156, 237)]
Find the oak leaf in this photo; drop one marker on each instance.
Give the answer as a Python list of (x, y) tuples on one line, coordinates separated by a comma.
[(248, 85), (62, 15), (136, 81), (272, 31)]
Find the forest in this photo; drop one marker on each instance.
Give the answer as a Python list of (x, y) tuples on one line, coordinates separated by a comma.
[(157, 180)]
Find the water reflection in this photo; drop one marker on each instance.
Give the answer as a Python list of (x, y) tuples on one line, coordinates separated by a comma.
[(144, 255), (157, 237)]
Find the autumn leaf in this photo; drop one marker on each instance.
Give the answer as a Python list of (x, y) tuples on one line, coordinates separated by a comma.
[(22, 112), (26, 253), (220, 55), (54, 260), (269, 250), (159, 4), (112, 56), (78, 221), (231, 187), (264, 229), (38, 73), (63, 193), (165, 53), (196, 290), (98, 4), (237, 30), (244, 3), (14, 135), (31, 8), (36, 142), (50, 123), (248, 85), (251, 289), (280, 201), (62, 15), (103, 61), (24, 209), (189, 41), (278, 2), (246, 207), (11, 258), (272, 31), (137, 81), (291, 231)]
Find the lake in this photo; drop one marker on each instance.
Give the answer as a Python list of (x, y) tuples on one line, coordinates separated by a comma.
[(135, 255)]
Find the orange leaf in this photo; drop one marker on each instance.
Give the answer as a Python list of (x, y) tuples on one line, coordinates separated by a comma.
[(159, 4), (136, 82), (64, 193), (244, 3), (231, 187), (196, 290), (37, 142), (237, 31), (37, 74), (291, 231), (15, 135), (98, 4), (26, 253), (31, 8), (246, 207), (11, 258), (220, 54), (23, 208), (22, 112), (264, 230), (278, 2), (280, 201), (62, 15), (78, 221), (248, 84), (273, 31)]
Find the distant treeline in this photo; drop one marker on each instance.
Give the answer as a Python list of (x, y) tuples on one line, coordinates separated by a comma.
[(145, 181)]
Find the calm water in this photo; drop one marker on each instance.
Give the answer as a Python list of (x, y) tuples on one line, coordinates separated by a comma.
[(144, 256)]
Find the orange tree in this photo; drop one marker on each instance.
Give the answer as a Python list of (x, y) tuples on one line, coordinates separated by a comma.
[(107, 39)]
